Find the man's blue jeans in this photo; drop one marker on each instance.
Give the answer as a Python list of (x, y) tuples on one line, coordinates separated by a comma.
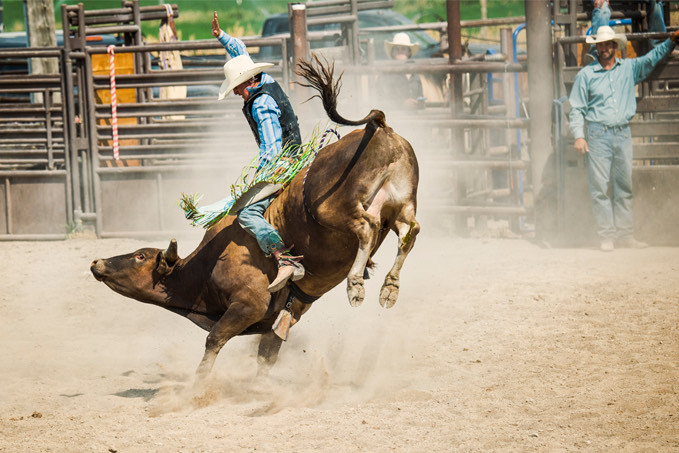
[(600, 16), (610, 160), (251, 219), (656, 22)]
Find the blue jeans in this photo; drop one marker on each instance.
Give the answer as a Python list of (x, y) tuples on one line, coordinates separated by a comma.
[(600, 16), (251, 219), (656, 22), (610, 160)]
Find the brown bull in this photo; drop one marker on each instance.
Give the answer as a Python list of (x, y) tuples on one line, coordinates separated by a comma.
[(337, 212)]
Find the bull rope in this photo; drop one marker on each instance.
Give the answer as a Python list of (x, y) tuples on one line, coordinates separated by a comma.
[(306, 173)]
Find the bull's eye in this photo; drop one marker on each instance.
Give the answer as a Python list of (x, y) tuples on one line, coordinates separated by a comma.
[(140, 257)]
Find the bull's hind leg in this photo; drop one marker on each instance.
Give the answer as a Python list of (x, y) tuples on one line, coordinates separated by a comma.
[(367, 230), (407, 228)]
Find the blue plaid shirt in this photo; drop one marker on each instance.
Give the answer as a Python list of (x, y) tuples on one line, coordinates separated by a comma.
[(607, 97), (265, 110)]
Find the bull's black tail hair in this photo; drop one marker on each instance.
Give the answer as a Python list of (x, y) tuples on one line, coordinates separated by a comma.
[(319, 75)]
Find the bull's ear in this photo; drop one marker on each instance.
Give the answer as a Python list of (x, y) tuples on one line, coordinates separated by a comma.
[(168, 258), (162, 266)]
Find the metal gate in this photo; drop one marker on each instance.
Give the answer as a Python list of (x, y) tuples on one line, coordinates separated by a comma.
[(161, 141), (35, 194)]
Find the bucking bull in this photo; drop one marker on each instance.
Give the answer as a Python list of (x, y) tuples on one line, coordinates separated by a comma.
[(336, 212)]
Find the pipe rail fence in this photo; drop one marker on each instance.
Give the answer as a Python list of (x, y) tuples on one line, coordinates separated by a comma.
[(164, 142), (60, 174), (35, 190)]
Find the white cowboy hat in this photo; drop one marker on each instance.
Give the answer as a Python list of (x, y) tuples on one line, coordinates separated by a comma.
[(606, 33), (401, 40), (238, 70)]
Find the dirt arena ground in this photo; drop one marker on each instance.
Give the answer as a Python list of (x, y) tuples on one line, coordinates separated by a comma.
[(494, 345)]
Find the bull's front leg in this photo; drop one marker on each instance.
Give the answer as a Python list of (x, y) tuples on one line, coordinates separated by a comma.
[(238, 317), (270, 343), (267, 354)]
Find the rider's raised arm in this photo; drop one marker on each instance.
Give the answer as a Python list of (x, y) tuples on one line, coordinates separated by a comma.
[(233, 46)]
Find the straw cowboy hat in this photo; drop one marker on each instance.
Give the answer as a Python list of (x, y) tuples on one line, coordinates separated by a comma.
[(238, 70), (401, 40), (606, 33)]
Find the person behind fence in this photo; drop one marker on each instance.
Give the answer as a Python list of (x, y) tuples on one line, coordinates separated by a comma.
[(402, 88), (274, 124), (601, 15), (602, 104)]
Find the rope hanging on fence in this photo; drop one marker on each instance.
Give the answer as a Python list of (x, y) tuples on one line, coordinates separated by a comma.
[(114, 103)]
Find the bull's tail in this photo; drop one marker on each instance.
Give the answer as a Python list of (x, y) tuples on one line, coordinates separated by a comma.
[(320, 76)]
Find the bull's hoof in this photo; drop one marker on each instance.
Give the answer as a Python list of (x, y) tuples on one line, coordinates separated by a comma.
[(205, 365), (355, 291), (264, 367), (389, 292)]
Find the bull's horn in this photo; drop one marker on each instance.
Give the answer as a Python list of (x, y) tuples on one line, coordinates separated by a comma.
[(170, 254)]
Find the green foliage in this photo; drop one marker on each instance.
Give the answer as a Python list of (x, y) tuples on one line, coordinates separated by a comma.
[(240, 18), (243, 17), (422, 10), (246, 17), (13, 15), (72, 229), (435, 10)]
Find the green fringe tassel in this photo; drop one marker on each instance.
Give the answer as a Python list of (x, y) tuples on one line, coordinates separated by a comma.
[(280, 170)]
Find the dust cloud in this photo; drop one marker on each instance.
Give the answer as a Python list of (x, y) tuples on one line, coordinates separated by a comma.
[(336, 355), (492, 345)]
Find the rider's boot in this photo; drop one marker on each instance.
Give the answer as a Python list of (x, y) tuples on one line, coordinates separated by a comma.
[(289, 268)]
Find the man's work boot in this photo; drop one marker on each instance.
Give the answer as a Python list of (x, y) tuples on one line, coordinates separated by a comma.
[(631, 242), (606, 245), (289, 268)]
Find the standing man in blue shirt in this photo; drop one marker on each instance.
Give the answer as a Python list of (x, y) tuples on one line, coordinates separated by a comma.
[(274, 125), (603, 99)]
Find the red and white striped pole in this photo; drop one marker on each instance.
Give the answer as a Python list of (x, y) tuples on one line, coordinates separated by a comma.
[(114, 103)]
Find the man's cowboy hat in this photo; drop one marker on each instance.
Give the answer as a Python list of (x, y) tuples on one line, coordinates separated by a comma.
[(401, 40), (606, 33), (238, 70)]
